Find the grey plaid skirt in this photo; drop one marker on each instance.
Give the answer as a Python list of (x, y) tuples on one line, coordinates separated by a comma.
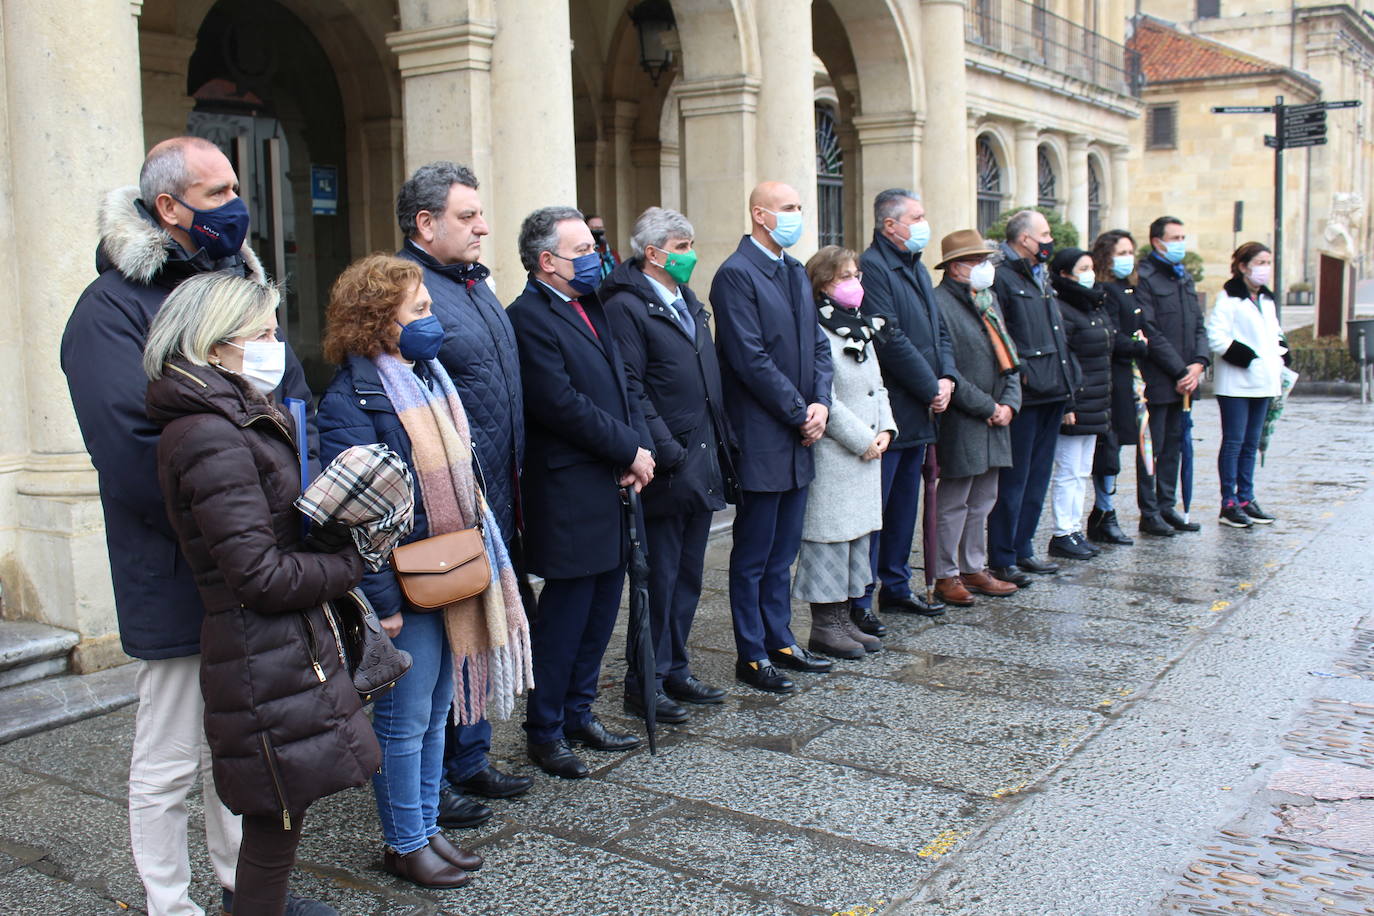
[(829, 573)]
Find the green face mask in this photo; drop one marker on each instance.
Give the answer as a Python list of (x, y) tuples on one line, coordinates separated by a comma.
[(679, 265)]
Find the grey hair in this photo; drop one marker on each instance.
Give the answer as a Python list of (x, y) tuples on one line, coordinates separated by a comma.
[(889, 204), (201, 312), (656, 226), (539, 233), (165, 171), (428, 189), (1019, 224)]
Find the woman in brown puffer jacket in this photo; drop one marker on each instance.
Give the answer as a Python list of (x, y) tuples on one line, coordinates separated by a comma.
[(284, 724)]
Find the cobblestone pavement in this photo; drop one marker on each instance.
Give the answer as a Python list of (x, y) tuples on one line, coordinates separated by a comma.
[(1181, 726)]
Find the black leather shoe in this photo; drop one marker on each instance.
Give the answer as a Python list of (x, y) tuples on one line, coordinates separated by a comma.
[(799, 659), (764, 677), (457, 810), (598, 737), (1153, 524), (1082, 541), (1066, 546), (557, 759), (1039, 567), (1178, 522), (912, 604), (665, 710), (867, 621), (492, 783), (1012, 574), (691, 690)]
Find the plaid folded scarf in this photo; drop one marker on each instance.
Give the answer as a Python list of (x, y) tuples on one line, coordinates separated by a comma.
[(488, 634), (367, 488), (1003, 347)]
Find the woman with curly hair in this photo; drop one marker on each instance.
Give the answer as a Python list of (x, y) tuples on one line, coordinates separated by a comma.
[(391, 388)]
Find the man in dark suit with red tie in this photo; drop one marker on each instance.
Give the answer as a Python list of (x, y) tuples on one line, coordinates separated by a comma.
[(585, 439)]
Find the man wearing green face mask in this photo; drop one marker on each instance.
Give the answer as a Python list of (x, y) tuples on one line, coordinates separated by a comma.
[(665, 341)]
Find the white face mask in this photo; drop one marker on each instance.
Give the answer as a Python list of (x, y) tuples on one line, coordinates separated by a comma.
[(264, 363), (1260, 274), (981, 277)]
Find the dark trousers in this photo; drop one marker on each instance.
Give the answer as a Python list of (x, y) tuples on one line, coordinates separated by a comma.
[(1154, 494), (266, 858), (1021, 488), (767, 535), (677, 560), (1242, 421), (568, 640), (889, 551)]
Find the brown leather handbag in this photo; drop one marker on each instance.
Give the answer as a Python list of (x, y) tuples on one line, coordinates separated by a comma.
[(443, 569)]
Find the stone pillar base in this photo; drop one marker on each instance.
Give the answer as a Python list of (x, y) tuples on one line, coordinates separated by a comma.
[(91, 655)]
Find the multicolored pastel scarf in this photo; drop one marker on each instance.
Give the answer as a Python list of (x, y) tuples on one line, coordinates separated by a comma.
[(488, 634)]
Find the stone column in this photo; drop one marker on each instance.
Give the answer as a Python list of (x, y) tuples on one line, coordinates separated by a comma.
[(947, 180), (646, 157), (1118, 191), (1076, 186), (618, 207), (372, 203), (717, 162), (890, 151), (786, 105), (165, 60), (59, 569), (533, 161), (1027, 165)]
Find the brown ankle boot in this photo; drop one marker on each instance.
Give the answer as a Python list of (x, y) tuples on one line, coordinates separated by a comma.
[(828, 635), (426, 868)]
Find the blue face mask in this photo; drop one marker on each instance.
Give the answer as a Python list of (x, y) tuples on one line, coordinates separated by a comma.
[(788, 231), (1122, 265), (1086, 279), (586, 271), (919, 238), (221, 231), (1174, 251), (421, 339)]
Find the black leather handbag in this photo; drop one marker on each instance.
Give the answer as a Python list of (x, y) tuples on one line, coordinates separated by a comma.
[(373, 662)]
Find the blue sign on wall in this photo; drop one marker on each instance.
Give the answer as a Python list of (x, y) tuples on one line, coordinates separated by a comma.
[(324, 190)]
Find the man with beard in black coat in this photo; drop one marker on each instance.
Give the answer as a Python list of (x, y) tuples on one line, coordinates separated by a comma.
[(671, 369)]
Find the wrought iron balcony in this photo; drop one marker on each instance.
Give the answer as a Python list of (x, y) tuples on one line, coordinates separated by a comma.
[(1030, 32)]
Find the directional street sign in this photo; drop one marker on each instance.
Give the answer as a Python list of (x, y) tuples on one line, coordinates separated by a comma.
[(1271, 141), (1348, 103), (1242, 109), (1289, 143), (1295, 110), (1290, 119)]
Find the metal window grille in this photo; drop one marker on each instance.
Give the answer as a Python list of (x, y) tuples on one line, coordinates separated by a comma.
[(829, 179), (1161, 126), (1094, 201), (1048, 181), (1208, 9), (989, 185)]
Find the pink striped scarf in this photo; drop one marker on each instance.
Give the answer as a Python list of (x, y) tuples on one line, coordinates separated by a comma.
[(488, 634)]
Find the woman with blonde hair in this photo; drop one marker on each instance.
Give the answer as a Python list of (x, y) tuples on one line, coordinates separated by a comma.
[(283, 721)]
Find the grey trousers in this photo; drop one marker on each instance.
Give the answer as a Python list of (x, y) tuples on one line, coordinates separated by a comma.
[(962, 505)]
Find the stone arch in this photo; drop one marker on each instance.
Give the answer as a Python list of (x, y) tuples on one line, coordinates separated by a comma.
[(1052, 148), (1104, 207), (990, 137)]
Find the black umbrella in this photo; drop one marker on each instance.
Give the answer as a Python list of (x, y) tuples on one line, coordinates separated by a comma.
[(639, 636), (930, 525)]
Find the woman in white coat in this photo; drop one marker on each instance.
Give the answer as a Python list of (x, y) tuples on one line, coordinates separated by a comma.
[(845, 504), (1244, 334)]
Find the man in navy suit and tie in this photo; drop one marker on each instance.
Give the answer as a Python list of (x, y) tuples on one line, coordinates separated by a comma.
[(585, 439), (776, 374)]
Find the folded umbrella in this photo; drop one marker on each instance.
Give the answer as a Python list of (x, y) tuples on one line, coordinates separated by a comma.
[(1185, 455), (639, 637), (1287, 379), (367, 489), (930, 473)]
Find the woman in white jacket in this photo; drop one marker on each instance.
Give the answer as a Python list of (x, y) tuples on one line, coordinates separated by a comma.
[(1243, 332)]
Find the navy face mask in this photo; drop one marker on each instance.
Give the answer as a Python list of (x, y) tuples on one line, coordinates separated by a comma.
[(421, 339), (586, 271), (221, 231)]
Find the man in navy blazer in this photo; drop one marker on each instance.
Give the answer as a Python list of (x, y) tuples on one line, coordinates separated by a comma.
[(776, 373), (585, 439)]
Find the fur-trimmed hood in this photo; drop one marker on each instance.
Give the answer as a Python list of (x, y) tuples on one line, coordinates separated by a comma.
[(132, 243)]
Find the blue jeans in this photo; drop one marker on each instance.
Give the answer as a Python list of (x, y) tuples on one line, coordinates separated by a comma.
[(409, 722), (889, 553), (1242, 421), (1104, 488)]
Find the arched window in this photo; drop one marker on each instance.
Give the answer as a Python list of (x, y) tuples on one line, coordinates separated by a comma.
[(989, 184), (1048, 182), (1094, 199), (829, 179)]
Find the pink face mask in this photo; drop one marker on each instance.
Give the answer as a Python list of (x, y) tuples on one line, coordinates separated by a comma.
[(849, 293)]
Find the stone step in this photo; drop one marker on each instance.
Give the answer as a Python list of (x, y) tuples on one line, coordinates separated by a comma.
[(26, 709), (30, 651)]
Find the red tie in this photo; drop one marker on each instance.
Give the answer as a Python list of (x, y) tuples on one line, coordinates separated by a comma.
[(583, 312)]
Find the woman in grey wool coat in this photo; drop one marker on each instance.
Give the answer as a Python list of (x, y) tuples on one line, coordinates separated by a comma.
[(844, 505)]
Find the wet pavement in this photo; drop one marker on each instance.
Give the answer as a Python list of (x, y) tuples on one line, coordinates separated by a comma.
[(1181, 726)]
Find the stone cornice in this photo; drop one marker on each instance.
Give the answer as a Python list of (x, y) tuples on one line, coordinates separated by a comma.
[(438, 49), (727, 95), (889, 127)]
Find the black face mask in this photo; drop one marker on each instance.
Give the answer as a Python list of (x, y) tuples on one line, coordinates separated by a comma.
[(1044, 252), (599, 235)]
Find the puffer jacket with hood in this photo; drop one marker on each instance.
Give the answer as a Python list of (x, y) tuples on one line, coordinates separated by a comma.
[(284, 722), (102, 355), (1088, 331)]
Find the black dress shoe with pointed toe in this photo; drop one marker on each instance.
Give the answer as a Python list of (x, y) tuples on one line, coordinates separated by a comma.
[(458, 811), (867, 621), (691, 690), (911, 604), (1012, 574), (598, 737), (763, 676), (557, 759), (1037, 566), (665, 709), (799, 659), (492, 783)]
